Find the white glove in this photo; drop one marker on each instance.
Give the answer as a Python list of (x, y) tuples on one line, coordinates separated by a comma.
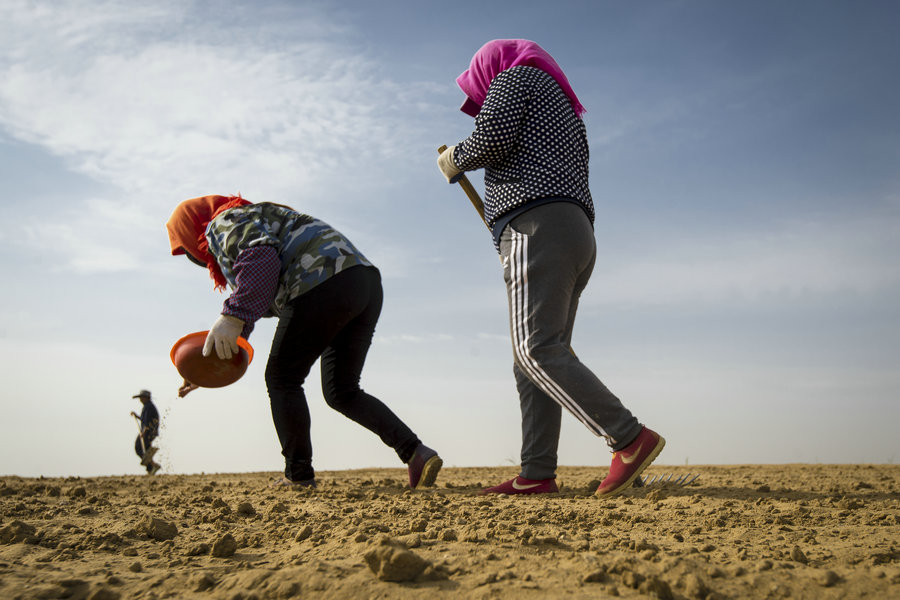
[(447, 166), (223, 337)]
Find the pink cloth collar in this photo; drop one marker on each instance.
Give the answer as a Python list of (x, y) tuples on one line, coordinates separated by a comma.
[(498, 55)]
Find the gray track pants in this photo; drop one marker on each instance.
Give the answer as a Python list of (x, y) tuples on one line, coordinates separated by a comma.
[(548, 254)]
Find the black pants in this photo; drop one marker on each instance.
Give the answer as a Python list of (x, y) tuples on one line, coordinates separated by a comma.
[(139, 447), (335, 321)]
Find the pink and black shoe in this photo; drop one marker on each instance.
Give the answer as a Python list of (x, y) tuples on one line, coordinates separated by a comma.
[(630, 461), (520, 485), (423, 467)]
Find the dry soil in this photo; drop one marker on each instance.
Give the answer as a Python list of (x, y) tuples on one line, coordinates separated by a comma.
[(748, 531)]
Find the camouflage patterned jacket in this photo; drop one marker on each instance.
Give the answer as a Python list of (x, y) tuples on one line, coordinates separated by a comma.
[(310, 250)]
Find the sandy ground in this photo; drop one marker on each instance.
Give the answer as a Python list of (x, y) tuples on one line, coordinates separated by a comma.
[(749, 531)]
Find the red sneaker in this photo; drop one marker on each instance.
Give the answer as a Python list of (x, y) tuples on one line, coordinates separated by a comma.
[(628, 462), (520, 485)]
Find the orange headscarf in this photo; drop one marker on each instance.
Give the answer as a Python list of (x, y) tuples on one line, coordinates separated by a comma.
[(187, 229)]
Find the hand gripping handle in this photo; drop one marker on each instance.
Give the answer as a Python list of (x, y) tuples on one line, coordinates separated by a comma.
[(470, 191)]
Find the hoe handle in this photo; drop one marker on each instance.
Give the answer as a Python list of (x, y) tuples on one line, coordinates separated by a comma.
[(470, 191)]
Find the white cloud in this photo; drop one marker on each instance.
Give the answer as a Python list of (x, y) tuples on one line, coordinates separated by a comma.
[(95, 235), (84, 254), (162, 104), (856, 256), (182, 112), (408, 338)]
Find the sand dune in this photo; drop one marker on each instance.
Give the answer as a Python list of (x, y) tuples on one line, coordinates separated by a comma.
[(749, 531)]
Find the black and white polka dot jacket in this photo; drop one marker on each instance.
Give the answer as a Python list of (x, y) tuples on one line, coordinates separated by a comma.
[(529, 142)]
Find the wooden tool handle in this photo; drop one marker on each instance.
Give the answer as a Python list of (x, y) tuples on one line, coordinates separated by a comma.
[(470, 191)]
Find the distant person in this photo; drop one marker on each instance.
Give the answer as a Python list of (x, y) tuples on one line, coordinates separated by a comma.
[(327, 297), (531, 141), (148, 425)]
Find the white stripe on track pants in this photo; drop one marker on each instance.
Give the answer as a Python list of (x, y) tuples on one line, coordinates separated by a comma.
[(548, 254)]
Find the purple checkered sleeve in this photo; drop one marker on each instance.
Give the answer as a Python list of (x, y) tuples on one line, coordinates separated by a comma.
[(256, 274)]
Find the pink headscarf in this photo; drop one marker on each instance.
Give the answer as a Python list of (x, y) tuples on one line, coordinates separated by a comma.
[(497, 56)]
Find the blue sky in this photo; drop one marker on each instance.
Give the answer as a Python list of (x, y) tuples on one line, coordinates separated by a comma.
[(744, 165)]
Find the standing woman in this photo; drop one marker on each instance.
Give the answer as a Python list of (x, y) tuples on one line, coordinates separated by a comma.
[(327, 298), (531, 141)]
